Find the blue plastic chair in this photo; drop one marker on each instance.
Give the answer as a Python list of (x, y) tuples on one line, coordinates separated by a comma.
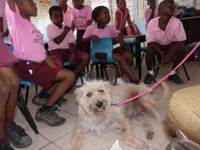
[(102, 55)]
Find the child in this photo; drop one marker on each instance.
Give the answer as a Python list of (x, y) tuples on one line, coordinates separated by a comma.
[(122, 16), (165, 36), (9, 84), (150, 12), (67, 15), (61, 42), (81, 19), (101, 29), (33, 63)]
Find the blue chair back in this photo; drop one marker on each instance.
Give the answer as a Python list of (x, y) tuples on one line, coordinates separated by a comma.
[(103, 47)]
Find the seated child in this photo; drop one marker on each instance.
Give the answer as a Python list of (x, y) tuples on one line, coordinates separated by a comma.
[(81, 19), (165, 36), (122, 16), (62, 44), (101, 29), (9, 84), (150, 12), (34, 65)]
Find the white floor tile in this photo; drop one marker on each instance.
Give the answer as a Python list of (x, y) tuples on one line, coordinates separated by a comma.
[(50, 147)]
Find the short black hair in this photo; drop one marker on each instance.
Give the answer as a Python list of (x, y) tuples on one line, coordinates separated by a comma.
[(52, 9), (97, 11)]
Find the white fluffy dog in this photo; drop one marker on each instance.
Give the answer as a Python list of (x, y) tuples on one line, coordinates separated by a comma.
[(96, 111)]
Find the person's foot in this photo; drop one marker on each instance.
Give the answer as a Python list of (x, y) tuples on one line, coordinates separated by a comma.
[(6, 146), (49, 116), (148, 79), (18, 137), (176, 79), (37, 100)]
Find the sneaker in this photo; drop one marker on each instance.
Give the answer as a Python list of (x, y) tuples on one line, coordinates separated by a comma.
[(176, 79), (49, 116), (148, 79), (6, 146), (37, 100), (18, 137)]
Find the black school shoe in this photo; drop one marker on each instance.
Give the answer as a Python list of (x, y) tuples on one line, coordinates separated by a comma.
[(176, 79)]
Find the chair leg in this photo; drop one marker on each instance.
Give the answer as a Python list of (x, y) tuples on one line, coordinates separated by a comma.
[(27, 95), (116, 75), (102, 71), (156, 73), (90, 72), (186, 73), (105, 71), (26, 113), (36, 88)]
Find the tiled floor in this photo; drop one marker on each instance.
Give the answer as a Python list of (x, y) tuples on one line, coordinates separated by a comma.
[(58, 138)]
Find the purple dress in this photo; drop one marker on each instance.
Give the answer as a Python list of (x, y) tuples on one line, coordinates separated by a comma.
[(6, 58)]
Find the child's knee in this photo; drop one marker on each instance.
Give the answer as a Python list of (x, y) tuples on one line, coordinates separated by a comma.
[(70, 76), (4, 92)]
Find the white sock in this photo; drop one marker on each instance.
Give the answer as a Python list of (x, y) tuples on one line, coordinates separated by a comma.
[(150, 72)]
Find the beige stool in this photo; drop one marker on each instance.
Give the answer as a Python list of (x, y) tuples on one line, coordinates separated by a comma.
[(184, 112)]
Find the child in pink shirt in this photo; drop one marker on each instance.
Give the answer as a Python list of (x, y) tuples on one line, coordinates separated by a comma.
[(165, 36), (62, 43), (9, 84), (150, 12), (34, 65), (122, 16), (81, 19), (101, 29)]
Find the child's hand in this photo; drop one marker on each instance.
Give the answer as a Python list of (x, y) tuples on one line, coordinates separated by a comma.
[(94, 37), (89, 22)]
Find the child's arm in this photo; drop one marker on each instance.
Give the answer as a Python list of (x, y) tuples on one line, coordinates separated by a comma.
[(118, 19), (132, 26), (62, 36), (1, 24), (90, 38), (28, 7)]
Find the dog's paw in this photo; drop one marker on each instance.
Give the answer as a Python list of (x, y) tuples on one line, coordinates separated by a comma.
[(133, 142)]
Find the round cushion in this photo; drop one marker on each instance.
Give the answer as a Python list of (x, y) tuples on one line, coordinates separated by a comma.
[(184, 111)]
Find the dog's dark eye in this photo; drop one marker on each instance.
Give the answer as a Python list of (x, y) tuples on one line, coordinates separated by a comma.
[(101, 91), (89, 94)]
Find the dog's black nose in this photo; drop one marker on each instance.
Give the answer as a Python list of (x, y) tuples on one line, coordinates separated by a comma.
[(99, 104)]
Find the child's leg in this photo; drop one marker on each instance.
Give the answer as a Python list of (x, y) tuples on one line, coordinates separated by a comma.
[(84, 60), (11, 79), (4, 92), (150, 57), (126, 67), (66, 79)]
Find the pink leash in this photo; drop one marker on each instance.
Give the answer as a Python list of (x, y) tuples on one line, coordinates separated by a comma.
[(122, 102)]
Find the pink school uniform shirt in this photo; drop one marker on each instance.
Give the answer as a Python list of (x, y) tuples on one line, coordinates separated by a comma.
[(81, 16), (147, 15), (67, 17), (26, 38), (174, 32), (108, 31), (124, 16), (2, 6), (53, 31)]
